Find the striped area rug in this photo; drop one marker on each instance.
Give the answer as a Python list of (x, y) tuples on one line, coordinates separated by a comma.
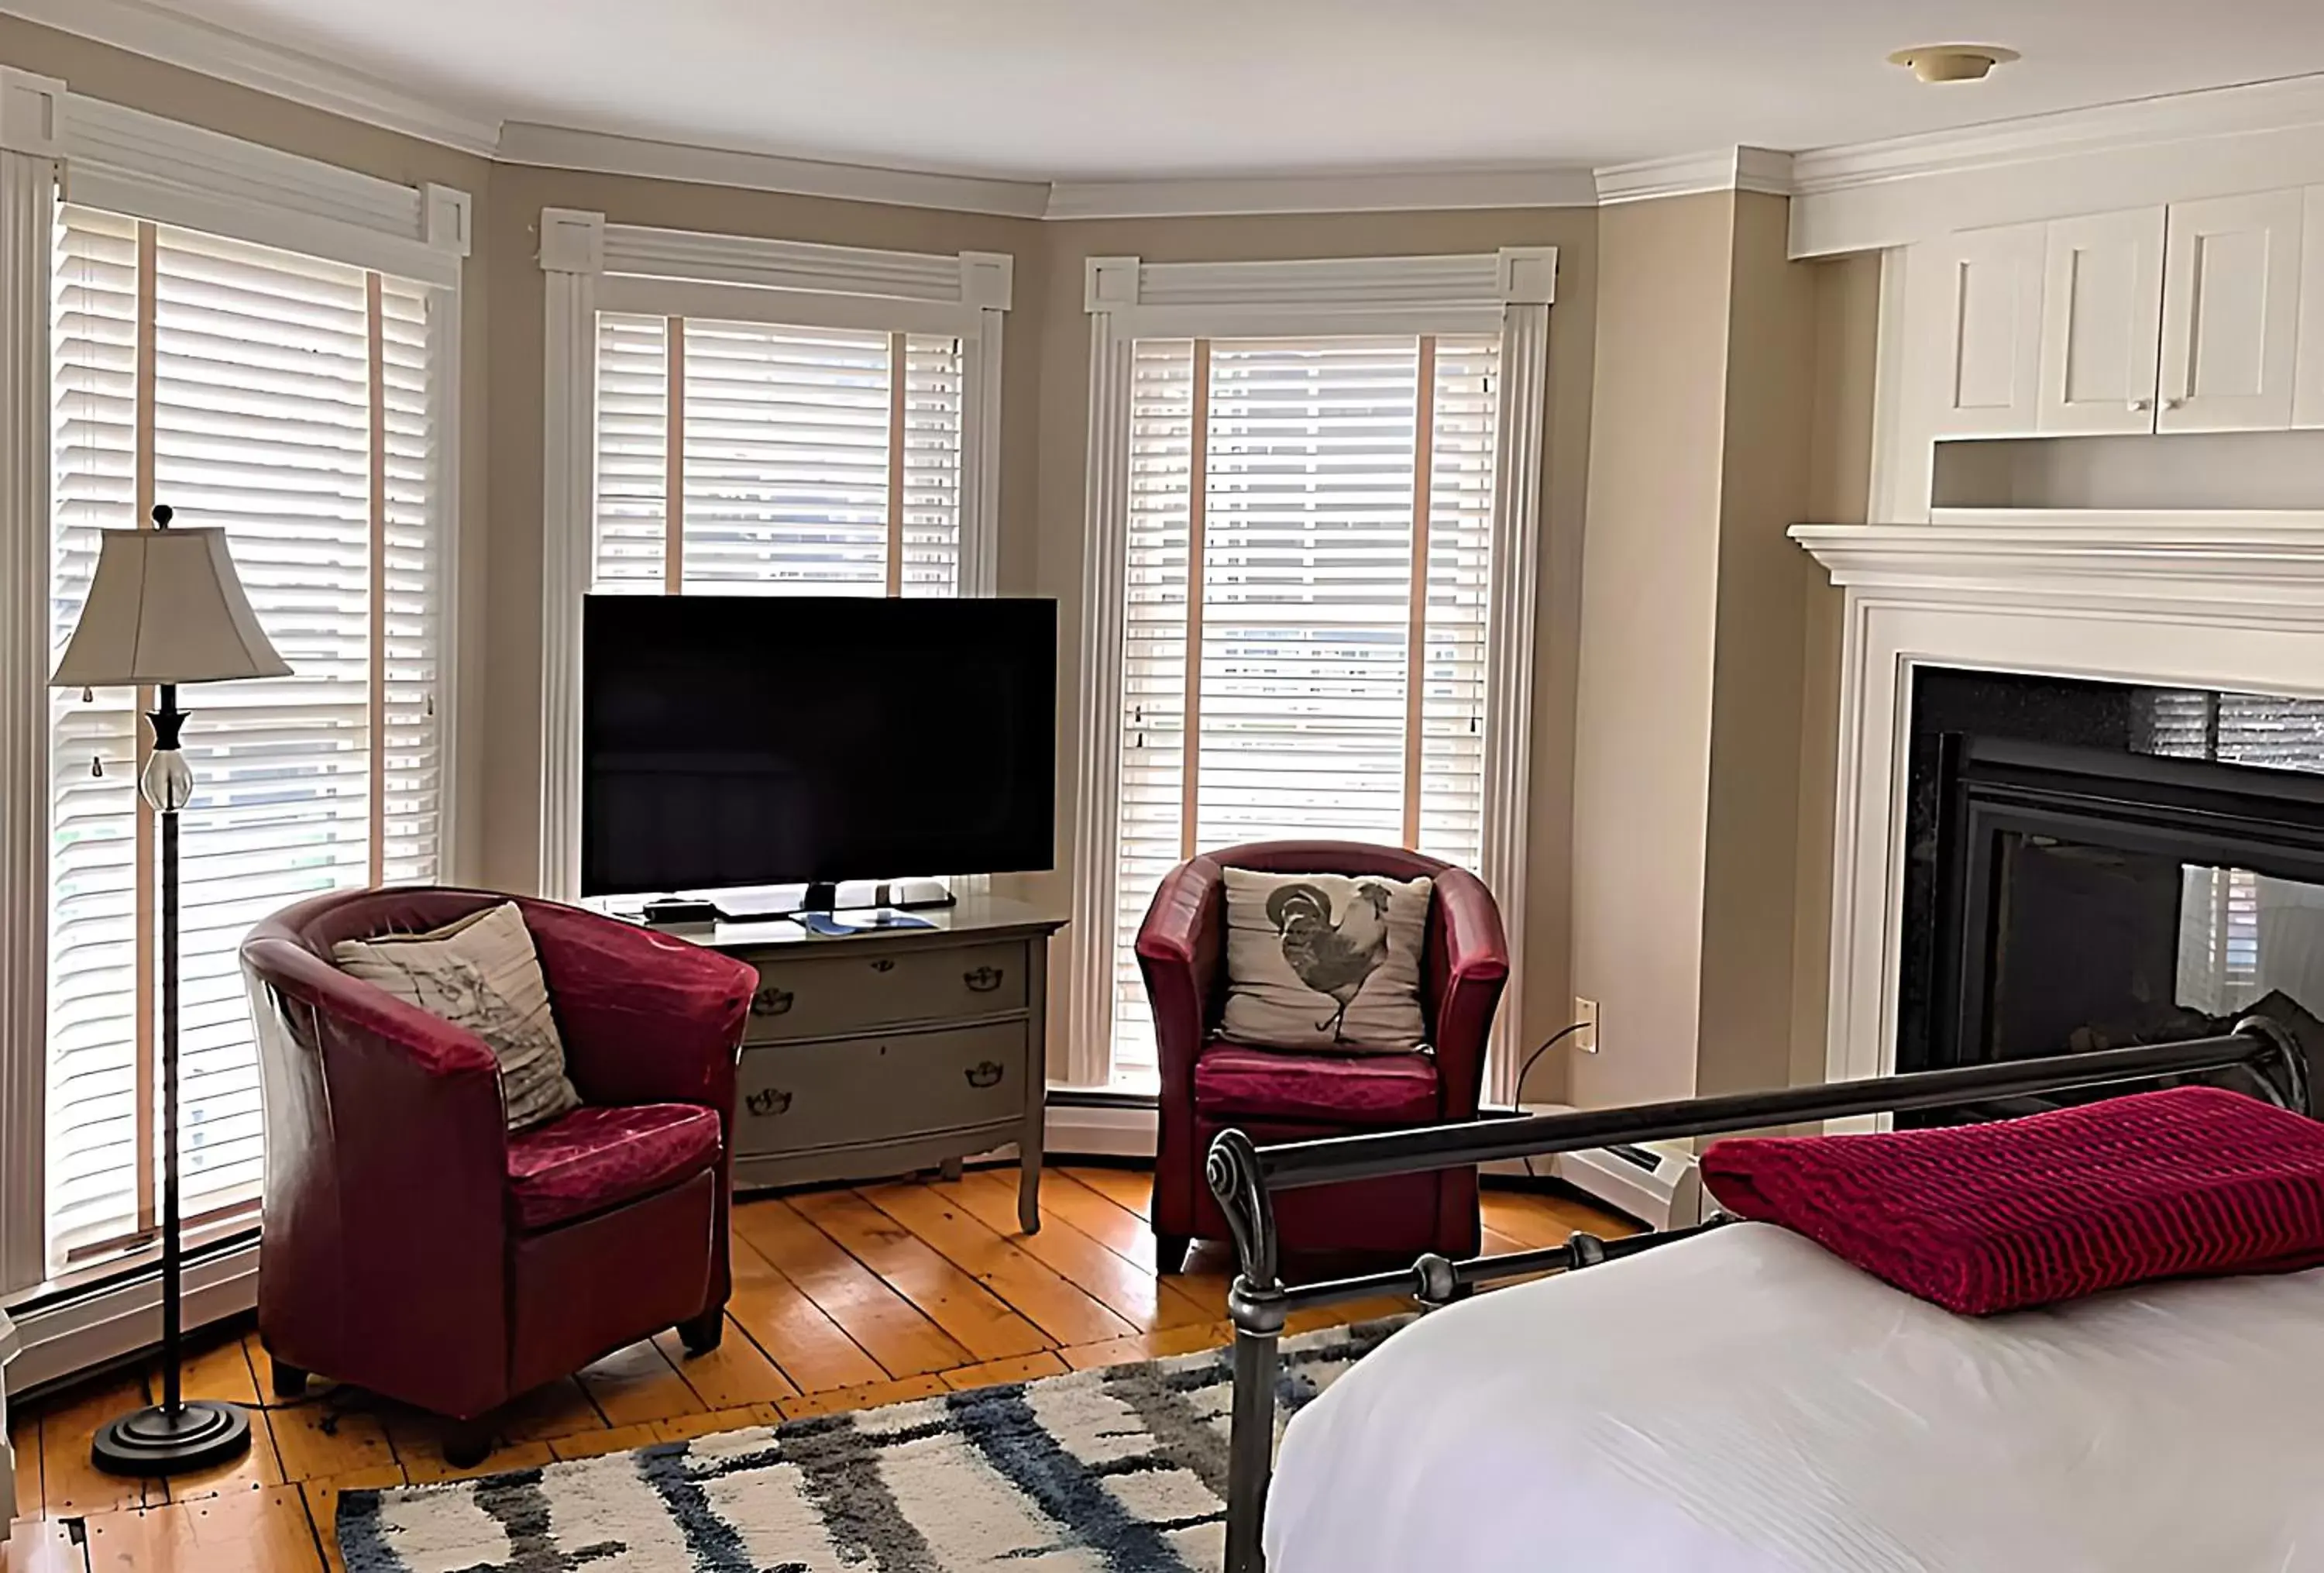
[(1117, 1471)]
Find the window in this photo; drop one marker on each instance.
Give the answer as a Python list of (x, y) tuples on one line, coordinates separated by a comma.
[(807, 460), (1308, 587), (816, 420), (1305, 607), (291, 401)]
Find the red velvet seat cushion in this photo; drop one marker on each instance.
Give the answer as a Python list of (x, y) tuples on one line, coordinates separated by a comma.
[(595, 1158), (1992, 1217), (1339, 1089)]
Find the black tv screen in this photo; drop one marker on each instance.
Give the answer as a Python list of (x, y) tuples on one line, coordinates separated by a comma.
[(752, 740)]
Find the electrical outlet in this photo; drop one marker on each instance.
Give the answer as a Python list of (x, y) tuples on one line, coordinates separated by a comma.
[(1585, 1037)]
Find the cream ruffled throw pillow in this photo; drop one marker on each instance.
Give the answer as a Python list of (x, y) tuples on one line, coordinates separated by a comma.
[(1322, 962), (481, 972)]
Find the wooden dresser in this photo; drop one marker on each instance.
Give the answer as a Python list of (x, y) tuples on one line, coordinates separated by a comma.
[(887, 1051)]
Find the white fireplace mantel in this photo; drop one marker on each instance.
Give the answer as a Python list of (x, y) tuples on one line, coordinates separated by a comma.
[(2199, 600)]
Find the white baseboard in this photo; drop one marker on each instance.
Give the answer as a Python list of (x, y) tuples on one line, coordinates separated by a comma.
[(1078, 1130), (87, 1331)]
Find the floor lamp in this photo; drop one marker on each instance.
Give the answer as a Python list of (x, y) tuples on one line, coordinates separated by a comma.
[(165, 608)]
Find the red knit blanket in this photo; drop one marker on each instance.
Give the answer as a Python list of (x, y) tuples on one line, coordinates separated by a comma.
[(1993, 1217)]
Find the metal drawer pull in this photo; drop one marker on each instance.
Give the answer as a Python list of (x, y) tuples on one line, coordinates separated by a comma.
[(772, 1002), (984, 1074), (884, 964), (769, 1101), (982, 980)]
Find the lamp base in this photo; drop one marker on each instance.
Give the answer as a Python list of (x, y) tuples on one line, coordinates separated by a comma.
[(152, 1442)]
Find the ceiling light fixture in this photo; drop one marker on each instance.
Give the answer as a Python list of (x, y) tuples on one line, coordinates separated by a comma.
[(1953, 62)]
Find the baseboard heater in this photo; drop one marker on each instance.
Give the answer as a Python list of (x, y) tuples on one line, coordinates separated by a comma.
[(1658, 1183)]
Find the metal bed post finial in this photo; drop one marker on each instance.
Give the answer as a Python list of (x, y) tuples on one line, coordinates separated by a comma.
[(2288, 1086), (1256, 1303)]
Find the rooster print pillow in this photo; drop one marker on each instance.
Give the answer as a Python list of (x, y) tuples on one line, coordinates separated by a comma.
[(1324, 962)]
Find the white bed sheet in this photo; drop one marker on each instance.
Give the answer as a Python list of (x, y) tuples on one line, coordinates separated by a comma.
[(1745, 1401)]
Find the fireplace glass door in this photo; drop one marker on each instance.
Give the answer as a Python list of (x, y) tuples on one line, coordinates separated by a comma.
[(2094, 901), (2096, 946)]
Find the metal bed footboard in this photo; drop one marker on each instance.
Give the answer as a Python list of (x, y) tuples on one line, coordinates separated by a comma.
[(1246, 1177)]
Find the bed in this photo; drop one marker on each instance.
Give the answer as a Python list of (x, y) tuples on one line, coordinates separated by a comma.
[(1743, 1401), (1733, 1398)]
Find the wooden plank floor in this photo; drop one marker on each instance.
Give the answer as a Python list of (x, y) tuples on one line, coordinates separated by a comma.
[(844, 1299)]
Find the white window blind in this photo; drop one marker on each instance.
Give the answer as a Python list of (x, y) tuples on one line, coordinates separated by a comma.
[(289, 400), (1304, 629), (810, 460)]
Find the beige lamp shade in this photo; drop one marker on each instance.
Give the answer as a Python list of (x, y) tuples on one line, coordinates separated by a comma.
[(165, 607)]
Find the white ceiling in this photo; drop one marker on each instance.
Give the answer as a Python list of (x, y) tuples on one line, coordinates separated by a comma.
[(1078, 89)]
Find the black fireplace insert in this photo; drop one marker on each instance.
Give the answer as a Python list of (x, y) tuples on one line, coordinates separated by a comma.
[(2096, 864)]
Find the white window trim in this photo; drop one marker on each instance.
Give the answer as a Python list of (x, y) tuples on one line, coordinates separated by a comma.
[(128, 162), (594, 266), (1509, 292)]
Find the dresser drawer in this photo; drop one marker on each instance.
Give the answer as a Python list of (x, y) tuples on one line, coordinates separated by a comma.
[(816, 996), (796, 1097)]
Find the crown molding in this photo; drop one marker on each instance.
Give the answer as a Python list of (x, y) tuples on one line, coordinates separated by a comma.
[(563, 147), (1732, 169), (146, 29), (1418, 191), (149, 29), (2182, 146), (2258, 106), (1853, 196)]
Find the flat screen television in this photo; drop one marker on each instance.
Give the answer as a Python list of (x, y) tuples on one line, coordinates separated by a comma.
[(760, 740)]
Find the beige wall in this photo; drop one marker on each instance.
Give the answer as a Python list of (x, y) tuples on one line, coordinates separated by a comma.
[(509, 225), (1063, 420), (1743, 1029), (1649, 600), (1839, 492), (1732, 396)]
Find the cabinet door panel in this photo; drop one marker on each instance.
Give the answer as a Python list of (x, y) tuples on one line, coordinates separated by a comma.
[(2231, 313), (2101, 317), (1984, 313)]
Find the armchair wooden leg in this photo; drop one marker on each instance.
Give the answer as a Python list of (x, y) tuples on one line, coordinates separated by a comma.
[(290, 1382), (1170, 1253), (703, 1334), (467, 1443)]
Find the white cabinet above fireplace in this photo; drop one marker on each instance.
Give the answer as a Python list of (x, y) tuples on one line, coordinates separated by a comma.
[(2101, 303), (2231, 280), (2180, 318)]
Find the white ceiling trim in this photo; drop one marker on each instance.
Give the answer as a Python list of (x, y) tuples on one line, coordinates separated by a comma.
[(563, 147), (1550, 186), (1733, 169), (2108, 127), (1851, 198), (2223, 142), (248, 62)]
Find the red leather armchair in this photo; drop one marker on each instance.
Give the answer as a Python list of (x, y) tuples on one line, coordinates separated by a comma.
[(414, 1246), (1209, 1084)]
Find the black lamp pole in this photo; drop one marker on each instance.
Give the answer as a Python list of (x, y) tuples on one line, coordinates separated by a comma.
[(175, 1435)]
